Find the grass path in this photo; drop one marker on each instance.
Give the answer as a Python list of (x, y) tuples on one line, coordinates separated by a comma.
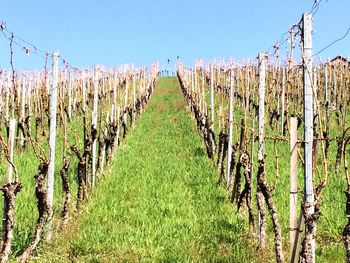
[(160, 202)]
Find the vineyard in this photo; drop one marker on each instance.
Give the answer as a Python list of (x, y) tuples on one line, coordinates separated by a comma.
[(226, 161), (61, 125), (254, 121)]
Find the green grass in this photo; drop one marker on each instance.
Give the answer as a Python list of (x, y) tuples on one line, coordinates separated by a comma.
[(160, 201), (26, 163)]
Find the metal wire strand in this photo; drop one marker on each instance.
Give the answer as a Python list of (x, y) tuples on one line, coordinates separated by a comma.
[(333, 42)]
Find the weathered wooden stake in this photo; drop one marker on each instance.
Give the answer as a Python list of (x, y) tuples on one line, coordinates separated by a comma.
[(247, 95), (84, 91), (125, 114), (293, 182), (23, 102), (314, 89), (29, 92), (212, 94), (298, 238), (118, 126), (10, 146), (203, 92), (7, 98), (114, 114), (229, 148), (261, 117), (134, 99), (52, 138), (261, 122), (326, 97), (283, 99), (94, 123), (334, 87), (69, 90)]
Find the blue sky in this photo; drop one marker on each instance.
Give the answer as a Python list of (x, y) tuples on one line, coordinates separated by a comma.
[(124, 31)]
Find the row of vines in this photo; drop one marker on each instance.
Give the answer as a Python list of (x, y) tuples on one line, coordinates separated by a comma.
[(256, 142), (64, 122)]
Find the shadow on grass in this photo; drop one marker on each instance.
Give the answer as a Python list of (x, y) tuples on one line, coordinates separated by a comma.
[(199, 152)]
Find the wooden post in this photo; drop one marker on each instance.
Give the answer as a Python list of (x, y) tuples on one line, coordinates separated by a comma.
[(252, 156), (118, 125), (23, 95), (192, 82), (84, 91), (326, 84), (261, 121), (103, 153), (229, 148), (69, 90), (74, 94), (29, 92), (195, 82), (114, 98), (203, 91), (23, 102), (220, 113), (47, 84), (212, 94), (297, 242), (94, 123), (283, 100), (7, 99), (16, 100), (141, 87), (52, 138), (113, 115), (247, 95), (134, 99), (261, 118), (308, 120), (125, 114), (150, 79), (10, 145), (334, 87), (327, 99), (36, 101), (104, 89), (293, 182), (9, 171), (314, 89)]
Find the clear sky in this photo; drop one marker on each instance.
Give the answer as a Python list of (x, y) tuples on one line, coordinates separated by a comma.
[(124, 31)]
